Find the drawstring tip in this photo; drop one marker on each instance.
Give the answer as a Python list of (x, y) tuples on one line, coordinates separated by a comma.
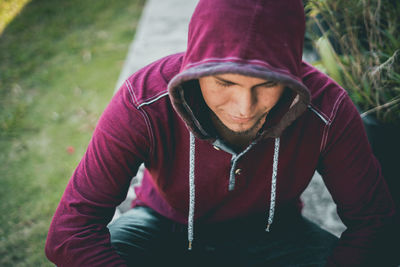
[(190, 245), (267, 229)]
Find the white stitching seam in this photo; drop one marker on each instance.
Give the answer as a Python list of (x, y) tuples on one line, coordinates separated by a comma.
[(146, 101), (149, 127), (321, 115), (336, 105), (153, 99), (324, 137), (132, 92), (333, 114), (144, 115)]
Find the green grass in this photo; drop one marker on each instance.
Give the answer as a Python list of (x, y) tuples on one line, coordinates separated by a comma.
[(59, 62)]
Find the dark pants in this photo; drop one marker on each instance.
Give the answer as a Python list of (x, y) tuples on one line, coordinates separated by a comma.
[(142, 236)]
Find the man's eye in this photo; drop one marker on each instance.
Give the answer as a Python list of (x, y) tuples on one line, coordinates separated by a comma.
[(223, 84), (271, 84)]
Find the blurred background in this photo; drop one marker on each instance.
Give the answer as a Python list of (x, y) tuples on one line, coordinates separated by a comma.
[(59, 63), (61, 60)]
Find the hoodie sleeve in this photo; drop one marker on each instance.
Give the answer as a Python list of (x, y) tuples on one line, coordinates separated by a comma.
[(353, 176), (78, 235)]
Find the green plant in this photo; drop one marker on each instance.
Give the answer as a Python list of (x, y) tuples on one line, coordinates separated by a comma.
[(359, 46)]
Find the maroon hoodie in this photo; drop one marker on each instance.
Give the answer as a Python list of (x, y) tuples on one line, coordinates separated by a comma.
[(159, 118)]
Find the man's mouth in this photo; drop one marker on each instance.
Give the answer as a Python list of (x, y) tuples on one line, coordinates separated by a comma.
[(239, 119)]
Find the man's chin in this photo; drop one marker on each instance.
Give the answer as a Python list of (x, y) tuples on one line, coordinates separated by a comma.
[(241, 129)]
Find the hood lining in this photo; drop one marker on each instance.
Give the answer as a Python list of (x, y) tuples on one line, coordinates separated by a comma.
[(178, 100)]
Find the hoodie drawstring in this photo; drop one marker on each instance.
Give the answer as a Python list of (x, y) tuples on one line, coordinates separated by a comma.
[(273, 184), (192, 187), (191, 190)]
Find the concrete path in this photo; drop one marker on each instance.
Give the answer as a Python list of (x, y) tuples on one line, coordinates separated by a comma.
[(162, 31)]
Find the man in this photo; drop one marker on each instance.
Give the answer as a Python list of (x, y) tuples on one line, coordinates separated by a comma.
[(231, 133)]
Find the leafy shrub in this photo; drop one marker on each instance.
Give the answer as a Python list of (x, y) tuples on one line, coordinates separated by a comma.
[(358, 42)]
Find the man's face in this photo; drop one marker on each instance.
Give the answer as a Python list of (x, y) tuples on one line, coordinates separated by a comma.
[(240, 102)]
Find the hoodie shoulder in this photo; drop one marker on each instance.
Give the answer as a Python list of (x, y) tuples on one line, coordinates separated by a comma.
[(150, 83), (326, 94)]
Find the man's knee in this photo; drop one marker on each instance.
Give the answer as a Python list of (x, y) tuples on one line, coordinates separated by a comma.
[(137, 233)]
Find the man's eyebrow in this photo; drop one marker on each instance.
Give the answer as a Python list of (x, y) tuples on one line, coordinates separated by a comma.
[(233, 83)]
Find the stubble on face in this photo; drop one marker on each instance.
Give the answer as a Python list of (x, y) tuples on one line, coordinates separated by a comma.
[(224, 130)]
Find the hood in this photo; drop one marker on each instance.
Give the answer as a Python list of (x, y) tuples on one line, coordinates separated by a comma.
[(259, 38)]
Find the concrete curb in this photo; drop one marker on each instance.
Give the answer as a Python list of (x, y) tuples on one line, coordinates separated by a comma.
[(162, 30)]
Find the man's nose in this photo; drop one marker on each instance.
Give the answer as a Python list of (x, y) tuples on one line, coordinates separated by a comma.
[(245, 100)]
